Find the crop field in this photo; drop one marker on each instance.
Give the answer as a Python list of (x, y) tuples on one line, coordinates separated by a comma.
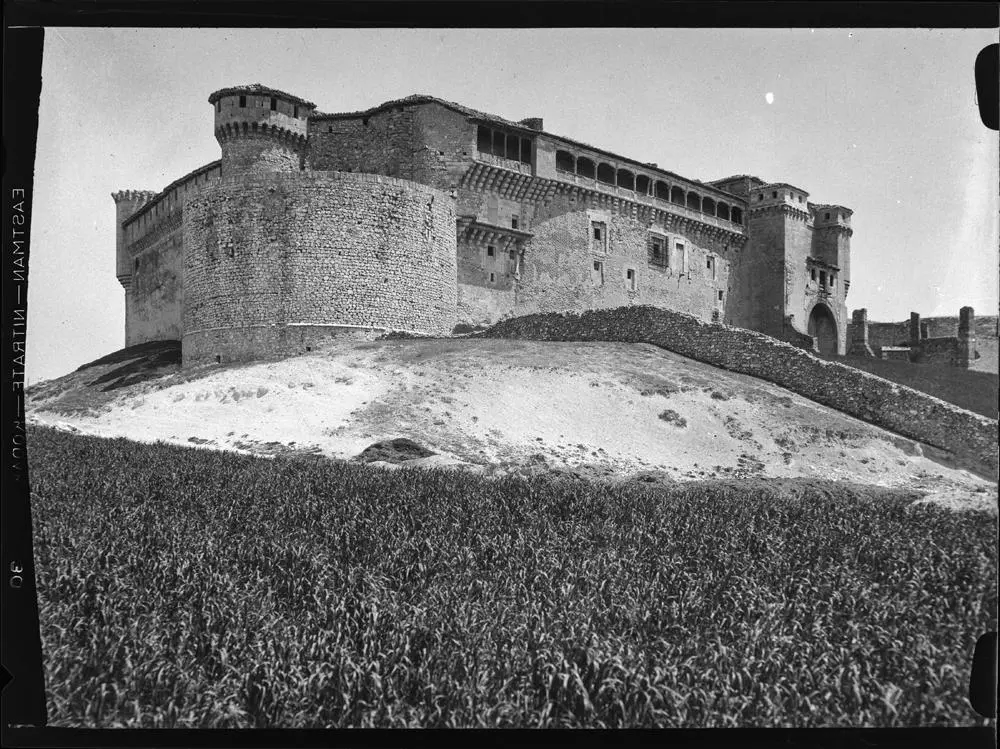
[(181, 587)]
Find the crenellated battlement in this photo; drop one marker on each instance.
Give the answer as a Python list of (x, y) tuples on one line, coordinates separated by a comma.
[(260, 129), (141, 196)]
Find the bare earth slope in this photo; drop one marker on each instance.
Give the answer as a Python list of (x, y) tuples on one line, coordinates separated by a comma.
[(599, 410)]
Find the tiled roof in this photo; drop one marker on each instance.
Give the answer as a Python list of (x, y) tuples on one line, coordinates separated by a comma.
[(259, 90), (421, 99), (487, 117)]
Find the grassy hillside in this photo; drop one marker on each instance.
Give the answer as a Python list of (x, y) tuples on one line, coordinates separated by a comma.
[(181, 587)]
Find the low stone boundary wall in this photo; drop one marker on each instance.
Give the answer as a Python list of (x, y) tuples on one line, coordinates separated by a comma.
[(966, 435)]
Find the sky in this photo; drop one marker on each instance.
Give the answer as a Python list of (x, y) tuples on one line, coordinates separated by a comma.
[(884, 122)]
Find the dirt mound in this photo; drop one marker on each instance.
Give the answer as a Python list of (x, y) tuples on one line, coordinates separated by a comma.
[(592, 411)]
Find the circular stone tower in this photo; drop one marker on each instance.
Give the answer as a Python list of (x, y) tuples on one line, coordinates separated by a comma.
[(260, 129)]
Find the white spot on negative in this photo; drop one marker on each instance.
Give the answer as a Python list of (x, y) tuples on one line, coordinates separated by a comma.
[(769, 97)]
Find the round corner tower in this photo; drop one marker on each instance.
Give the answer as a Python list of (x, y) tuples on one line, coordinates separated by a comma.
[(260, 129)]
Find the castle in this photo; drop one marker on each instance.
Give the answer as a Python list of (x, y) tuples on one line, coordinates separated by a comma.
[(423, 215)]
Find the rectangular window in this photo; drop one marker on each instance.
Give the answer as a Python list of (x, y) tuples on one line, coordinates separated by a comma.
[(599, 234), (822, 278), (484, 139), (295, 111), (243, 103), (597, 274), (658, 251), (490, 251), (720, 295), (274, 104), (711, 266), (812, 274), (218, 105), (513, 222), (513, 148), (525, 150), (493, 277), (630, 278)]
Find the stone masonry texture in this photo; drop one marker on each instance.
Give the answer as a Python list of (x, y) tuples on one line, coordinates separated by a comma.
[(269, 252)]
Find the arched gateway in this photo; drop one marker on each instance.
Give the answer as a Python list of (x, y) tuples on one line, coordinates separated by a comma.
[(823, 326)]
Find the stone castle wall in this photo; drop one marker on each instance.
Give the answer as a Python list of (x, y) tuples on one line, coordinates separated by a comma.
[(152, 259), (941, 344), (559, 263), (971, 438), (273, 261), (155, 299)]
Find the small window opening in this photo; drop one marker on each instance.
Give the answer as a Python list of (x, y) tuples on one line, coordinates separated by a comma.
[(274, 104), (598, 232), (484, 139), (720, 295), (490, 251), (218, 359), (295, 111), (513, 255), (329, 128), (513, 222), (597, 276), (822, 278), (708, 264), (774, 194), (137, 263), (513, 148), (812, 274), (243, 101), (658, 251), (493, 277), (630, 277), (218, 105), (525, 150), (827, 216)]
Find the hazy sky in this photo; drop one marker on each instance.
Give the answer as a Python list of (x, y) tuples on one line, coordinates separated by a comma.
[(882, 121)]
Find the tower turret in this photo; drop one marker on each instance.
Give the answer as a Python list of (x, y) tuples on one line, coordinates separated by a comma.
[(127, 202), (832, 226), (260, 129)]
